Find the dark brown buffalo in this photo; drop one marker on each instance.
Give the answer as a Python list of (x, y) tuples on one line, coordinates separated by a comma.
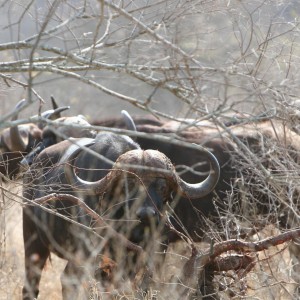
[(63, 128), (117, 122), (17, 141), (259, 165), (129, 187), (66, 127)]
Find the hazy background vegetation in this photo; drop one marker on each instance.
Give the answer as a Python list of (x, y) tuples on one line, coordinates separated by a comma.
[(181, 58), (189, 59)]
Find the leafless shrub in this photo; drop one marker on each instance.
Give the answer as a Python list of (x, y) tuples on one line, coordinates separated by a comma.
[(229, 62)]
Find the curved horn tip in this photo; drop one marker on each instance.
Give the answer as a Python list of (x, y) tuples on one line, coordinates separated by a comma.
[(125, 113), (18, 106), (201, 189), (53, 114), (61, 109), (128, 120), (20, 103)]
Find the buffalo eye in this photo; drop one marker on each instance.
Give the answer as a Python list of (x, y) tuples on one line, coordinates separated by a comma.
[(131, 187), (161, 186)]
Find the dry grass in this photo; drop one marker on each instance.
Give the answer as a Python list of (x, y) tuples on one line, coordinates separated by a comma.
[(270, 278), (12, 260)]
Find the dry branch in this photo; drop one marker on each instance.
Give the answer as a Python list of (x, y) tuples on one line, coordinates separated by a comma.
[(250, 247), (99, 221), (205, 265)]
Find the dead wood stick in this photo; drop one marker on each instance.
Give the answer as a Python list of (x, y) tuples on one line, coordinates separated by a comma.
[(199, 261), (249, 247)]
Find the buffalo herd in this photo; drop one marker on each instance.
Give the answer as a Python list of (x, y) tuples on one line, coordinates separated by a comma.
[(164, 180)]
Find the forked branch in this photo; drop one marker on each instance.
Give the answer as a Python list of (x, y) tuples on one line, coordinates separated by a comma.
[(203, 266)]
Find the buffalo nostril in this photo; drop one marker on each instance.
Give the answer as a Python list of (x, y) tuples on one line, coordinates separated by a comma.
[(145, 213)]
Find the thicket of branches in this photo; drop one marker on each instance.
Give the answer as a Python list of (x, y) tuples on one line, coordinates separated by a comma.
[(172, 58), (201, 59)]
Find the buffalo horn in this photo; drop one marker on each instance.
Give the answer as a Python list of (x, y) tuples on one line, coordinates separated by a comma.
[(17, 143), (163, 166), (53, 114), (128, 120), (201, 189)]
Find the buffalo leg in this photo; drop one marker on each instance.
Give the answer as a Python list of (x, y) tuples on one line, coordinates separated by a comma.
[(36, 254), (72, 282)]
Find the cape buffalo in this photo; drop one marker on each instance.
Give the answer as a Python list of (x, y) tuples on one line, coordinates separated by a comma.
[(17, 141), (259, 161), (61, 130), (127, 186), (64, 128)]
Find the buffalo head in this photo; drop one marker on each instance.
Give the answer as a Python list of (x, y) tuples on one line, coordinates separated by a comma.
[(23, 137), (140, 183)]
